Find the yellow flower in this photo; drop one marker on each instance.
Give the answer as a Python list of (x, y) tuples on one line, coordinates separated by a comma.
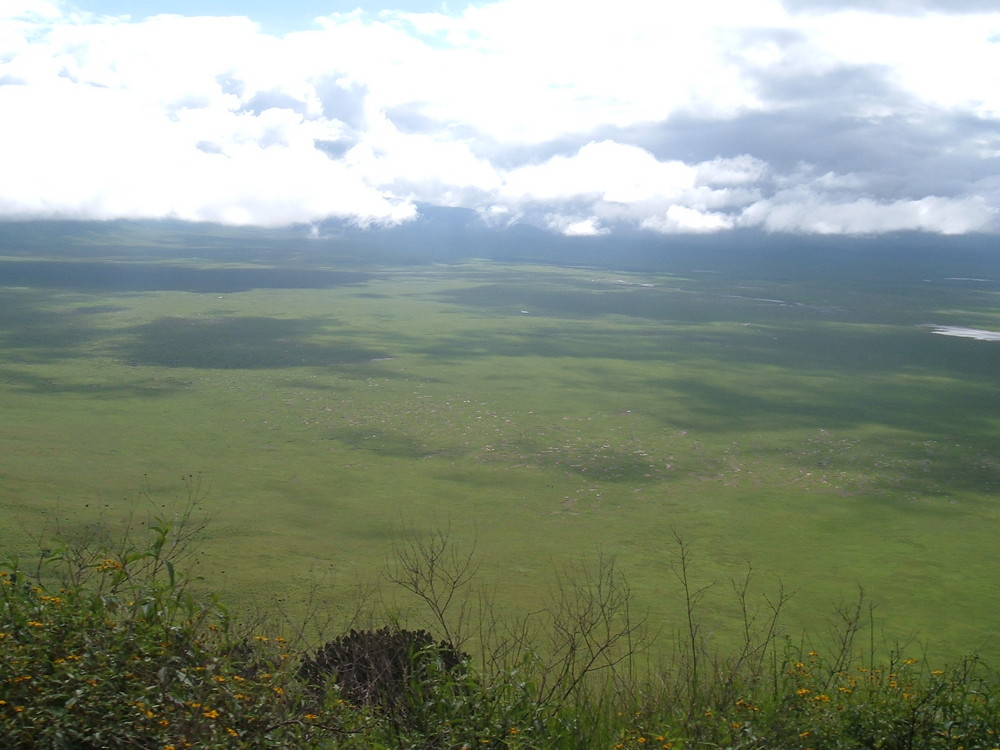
[(213, 714), (36, 624), (232, 732)]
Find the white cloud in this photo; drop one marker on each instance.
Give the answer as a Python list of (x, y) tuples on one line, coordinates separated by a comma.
[(208, 118), (817, 214), (616, 173), (421, 167), (611, 171), (27, 9), (677, 219), (529, 70), (97, 152), (739, 170), (626, 184), (942, 60), (575, 226)]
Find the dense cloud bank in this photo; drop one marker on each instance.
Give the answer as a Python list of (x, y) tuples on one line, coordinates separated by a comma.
[(807, 116)]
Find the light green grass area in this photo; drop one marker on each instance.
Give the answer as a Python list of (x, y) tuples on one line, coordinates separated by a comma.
[(814, 430)]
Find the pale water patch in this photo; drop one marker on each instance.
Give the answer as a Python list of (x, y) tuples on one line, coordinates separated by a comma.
[(968, 333)]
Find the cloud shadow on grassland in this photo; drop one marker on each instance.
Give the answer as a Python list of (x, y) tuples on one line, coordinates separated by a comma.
[(389, 442), (115, 276), (33, 328), (936, 407), (575, 303), (805, 348), (45, 385), (240, 343)]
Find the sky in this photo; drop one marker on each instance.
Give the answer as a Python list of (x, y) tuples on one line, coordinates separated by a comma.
[(852, 117)]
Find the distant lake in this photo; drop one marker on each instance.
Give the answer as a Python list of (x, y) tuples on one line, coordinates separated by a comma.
[(968, 333)]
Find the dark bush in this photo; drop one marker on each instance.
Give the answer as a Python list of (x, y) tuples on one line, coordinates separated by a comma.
[(388, 668)]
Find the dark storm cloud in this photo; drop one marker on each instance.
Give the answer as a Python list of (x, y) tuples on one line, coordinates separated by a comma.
[(850, 119)]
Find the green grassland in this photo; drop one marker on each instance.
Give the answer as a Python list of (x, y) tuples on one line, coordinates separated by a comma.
[(328, 405)]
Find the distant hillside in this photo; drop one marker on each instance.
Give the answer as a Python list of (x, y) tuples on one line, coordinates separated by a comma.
[(450, 234)]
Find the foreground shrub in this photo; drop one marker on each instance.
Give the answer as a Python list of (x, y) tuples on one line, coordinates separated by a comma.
[(105, 648), (102, 645), (818, 704)]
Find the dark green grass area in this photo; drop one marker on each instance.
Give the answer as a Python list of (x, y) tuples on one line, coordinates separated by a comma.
[(813, 426)]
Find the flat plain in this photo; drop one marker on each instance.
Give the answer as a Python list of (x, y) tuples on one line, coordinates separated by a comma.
[(330, 401)]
